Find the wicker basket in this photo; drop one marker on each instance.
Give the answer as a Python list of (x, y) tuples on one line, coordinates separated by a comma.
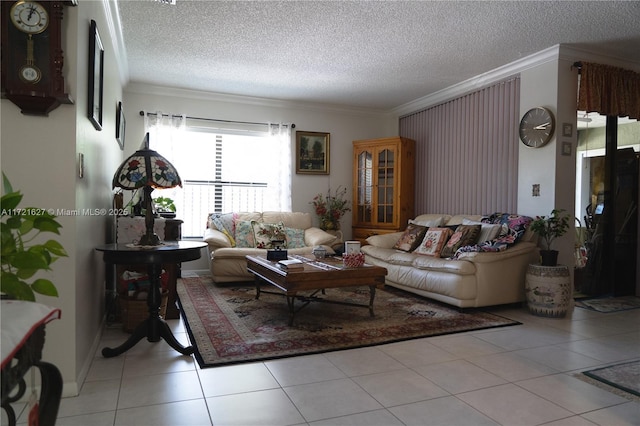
[(135, 310)]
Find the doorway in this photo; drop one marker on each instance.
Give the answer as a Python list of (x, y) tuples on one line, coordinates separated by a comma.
[(607, 193)]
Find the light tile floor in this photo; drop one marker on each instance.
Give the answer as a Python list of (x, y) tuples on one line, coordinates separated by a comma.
[(521, 375)]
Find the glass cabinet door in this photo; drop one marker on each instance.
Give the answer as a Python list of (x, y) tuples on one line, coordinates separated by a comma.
[(385, 174), (365, 187)]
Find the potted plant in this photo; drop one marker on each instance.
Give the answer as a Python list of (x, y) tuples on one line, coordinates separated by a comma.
[(22, 259), (165, 207), (550, 228), (331, 208)]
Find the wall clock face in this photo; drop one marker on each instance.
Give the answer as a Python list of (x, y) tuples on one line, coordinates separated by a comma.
[(29, 17), (536, 127)]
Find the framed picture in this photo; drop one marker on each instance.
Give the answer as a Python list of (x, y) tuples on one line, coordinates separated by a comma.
[(567, 130), (120, 126), (312, 153), (96, 72)]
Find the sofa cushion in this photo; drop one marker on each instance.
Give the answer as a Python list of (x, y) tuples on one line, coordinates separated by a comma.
[(317, 237), (428, 220), (244, 234), (410, 238), (297, 220), (488, 231), (464, 235), (265, 233), (433, 241), (225, 223), (295, 237)]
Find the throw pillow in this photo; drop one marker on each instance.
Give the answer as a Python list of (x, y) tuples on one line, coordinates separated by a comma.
[(433, 241), (411, 237), (225, 223), (464, 235), (487, 232), (295, 237), (264, 233), (244, 234), (428, 223)]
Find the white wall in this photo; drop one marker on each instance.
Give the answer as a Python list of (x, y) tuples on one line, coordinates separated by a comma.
[(344, 126), (39, 155)]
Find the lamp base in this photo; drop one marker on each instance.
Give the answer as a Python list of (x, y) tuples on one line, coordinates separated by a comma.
[(150, 240)]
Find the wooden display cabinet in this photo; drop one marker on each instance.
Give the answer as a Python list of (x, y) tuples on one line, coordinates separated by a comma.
[(383, 186)]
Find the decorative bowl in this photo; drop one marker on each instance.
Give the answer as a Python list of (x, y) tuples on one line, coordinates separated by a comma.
[(353, 260)]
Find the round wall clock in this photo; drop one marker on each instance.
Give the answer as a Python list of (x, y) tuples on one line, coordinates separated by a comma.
[(536, 127), (32, 57)]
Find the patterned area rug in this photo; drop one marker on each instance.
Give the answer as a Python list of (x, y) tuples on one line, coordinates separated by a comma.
[(228, 325), (609, 304), (625, 376)]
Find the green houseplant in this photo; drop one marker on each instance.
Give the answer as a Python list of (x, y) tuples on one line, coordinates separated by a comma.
[(549, 228), (22, 257)]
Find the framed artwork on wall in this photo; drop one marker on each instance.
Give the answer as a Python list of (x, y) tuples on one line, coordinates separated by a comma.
[(312, 153), (120, 126), (96, 76)]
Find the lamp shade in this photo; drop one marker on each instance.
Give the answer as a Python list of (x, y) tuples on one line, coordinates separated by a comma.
[(146, 167)]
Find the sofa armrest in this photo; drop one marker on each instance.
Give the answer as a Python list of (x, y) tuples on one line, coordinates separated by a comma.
[(216, 239), (384, 240), (317, 237)]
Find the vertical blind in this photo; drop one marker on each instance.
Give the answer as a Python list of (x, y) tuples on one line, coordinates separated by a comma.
[(467, 151)]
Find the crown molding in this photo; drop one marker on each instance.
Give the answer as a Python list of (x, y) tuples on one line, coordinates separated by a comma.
[(148, 89), (478, 81), (112, 16)]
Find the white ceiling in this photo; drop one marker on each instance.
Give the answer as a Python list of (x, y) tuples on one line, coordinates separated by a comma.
[(365, 54)]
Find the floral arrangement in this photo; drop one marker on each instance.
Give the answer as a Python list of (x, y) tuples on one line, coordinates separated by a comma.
[(331, 208)]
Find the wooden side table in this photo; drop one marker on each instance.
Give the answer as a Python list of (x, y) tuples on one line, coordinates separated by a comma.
[(154, 327), (171, 231)]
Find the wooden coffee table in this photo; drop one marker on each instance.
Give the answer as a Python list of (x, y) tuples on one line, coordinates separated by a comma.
[(315, 276)]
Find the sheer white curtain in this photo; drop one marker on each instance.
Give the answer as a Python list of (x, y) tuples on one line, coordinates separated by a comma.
[(279, 186), (165, 132)]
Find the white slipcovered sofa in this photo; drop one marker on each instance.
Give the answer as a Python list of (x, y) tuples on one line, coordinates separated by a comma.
[(485, 274), (232, 236)]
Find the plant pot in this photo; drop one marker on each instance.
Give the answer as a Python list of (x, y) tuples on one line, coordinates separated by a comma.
[(548, 290), (549, 257)]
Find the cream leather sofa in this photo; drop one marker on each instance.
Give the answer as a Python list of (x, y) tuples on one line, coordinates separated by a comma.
[(474, 279), (227, 248)]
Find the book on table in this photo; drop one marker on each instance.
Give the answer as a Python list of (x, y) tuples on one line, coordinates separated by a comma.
[(291, 264)]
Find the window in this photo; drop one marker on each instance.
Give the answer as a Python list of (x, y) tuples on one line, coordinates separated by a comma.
[(223, 171)]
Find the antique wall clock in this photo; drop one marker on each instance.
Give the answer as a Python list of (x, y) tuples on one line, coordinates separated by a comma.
[(536, 127), (32, 57)]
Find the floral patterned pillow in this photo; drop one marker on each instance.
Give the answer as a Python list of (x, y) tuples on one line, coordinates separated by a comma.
[(433, 241), (225, 223), (244, 234), (411, 237), (464, 235), (265, 233), (295, 238)]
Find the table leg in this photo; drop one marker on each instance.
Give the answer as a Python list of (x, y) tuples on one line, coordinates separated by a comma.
[(154, 327), (290, 300), (372, 295), (257, 281)]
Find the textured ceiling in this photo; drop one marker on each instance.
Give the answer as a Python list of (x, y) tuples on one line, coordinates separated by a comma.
[(370, 54)]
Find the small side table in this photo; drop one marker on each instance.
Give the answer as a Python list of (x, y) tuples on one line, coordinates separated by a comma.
[(548, 290), (154, 327)]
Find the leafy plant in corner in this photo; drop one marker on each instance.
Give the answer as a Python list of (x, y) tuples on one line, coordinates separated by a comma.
[(550, 228), (21, 257)]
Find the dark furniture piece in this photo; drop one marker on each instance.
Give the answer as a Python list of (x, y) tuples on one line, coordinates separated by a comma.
[(172, 232), (154, 327), (24, 352), (314, 276)]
